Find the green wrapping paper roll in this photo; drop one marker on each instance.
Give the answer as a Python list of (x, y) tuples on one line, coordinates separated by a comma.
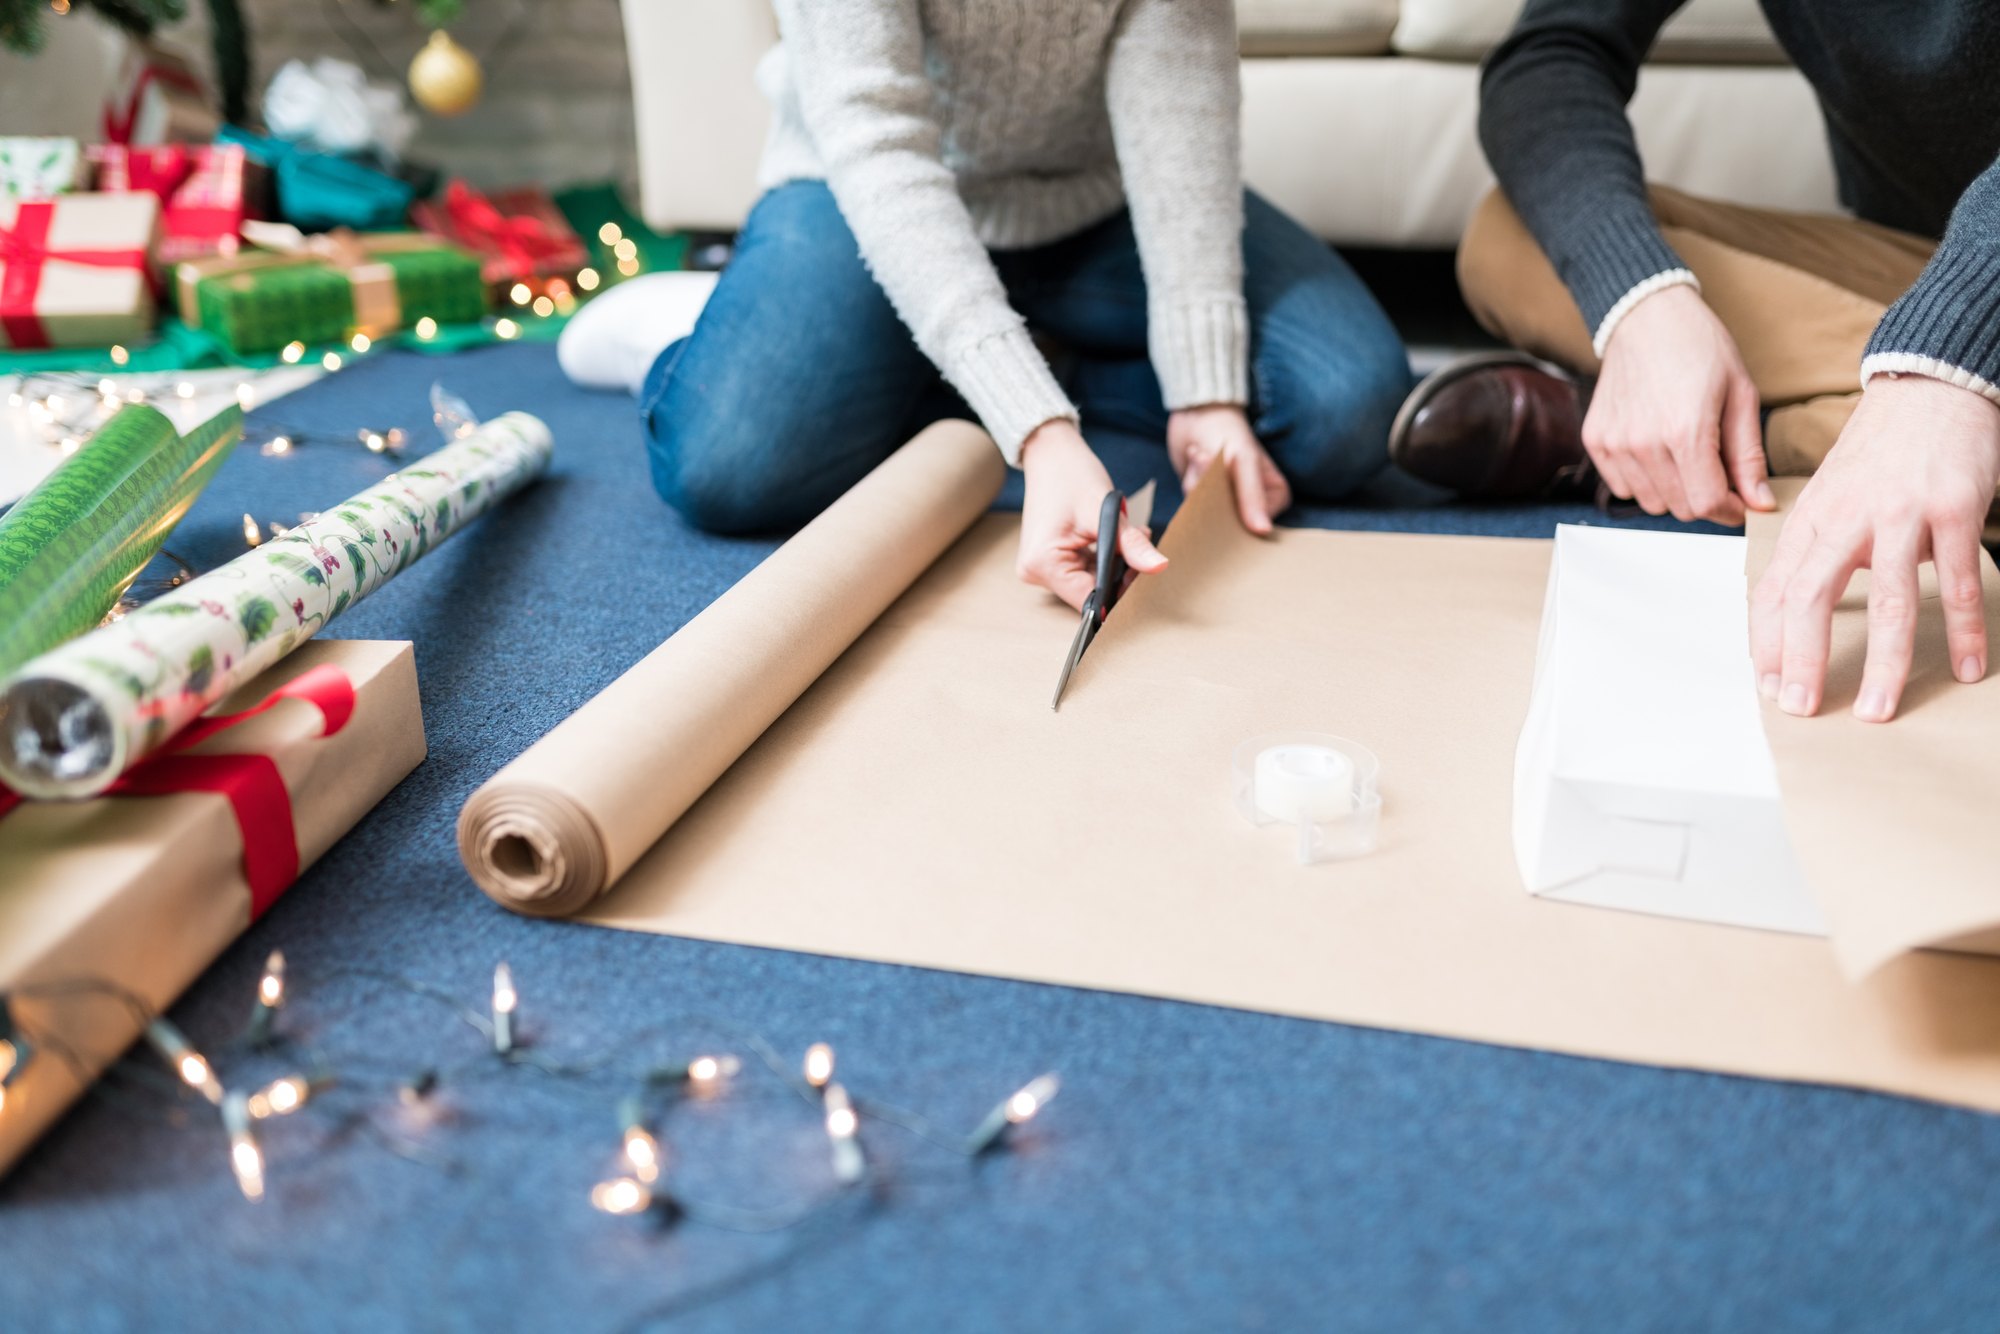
[(71, 547), (74, 719)]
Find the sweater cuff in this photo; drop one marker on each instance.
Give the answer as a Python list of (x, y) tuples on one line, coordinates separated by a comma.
[(1603, 267), (1659, 282), (1008, 383), (1201, 351), (1947, 326)]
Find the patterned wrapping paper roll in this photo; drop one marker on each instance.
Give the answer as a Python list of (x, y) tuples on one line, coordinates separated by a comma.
[(70, 547), (76, 718)]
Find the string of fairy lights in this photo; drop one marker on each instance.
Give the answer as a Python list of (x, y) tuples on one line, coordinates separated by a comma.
[(640, 1184)]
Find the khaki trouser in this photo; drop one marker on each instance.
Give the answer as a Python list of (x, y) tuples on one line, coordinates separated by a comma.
[(1799, 293)]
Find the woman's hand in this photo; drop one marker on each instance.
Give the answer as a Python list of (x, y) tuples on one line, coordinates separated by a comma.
[(1198, 438), (1065, 490)]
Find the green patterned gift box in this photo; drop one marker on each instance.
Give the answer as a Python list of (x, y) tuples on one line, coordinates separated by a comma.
[(327, 288)]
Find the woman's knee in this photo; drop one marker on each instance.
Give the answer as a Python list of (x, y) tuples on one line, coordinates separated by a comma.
[(701, 469), (1330, 423)]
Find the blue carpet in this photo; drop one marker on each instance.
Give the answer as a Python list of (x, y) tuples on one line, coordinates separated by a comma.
[(1202, 1169)]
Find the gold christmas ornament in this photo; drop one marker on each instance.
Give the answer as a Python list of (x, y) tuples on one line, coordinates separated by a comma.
[(445, 77)]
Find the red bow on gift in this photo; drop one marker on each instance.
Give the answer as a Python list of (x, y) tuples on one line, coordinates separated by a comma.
[(120, 121), (24, 251), (522, 241), (252, 783)]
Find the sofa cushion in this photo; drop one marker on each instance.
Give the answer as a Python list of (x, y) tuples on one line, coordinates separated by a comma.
[(1705, 32), (1316, 27)]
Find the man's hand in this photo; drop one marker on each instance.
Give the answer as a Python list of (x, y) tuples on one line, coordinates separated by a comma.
[(1673, 420), (1909, 480), (1198, 438), (1065, 490)]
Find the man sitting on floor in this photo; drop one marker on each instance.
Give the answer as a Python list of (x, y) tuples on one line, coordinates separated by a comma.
[(1690, 315)]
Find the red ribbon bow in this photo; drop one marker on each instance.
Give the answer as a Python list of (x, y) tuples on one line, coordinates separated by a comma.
[(24, 253), (252, 783), (522, 241)]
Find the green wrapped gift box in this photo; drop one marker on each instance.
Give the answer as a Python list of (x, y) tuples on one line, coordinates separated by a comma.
[(327, 288)]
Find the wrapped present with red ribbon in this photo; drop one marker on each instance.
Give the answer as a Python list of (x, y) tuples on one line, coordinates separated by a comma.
[(206, 192), (519, 234), (144, 887), (76, 271)]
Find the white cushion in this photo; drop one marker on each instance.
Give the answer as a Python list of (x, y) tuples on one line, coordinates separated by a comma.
[(1316, 27), (1317, 145), (1704, 32)]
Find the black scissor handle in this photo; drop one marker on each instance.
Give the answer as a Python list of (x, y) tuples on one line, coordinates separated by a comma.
[(1110, 561)]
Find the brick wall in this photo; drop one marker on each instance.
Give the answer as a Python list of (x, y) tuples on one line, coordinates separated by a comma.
[(558, 102)]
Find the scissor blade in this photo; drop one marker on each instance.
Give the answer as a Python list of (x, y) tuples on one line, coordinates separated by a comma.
[(1076, 648)]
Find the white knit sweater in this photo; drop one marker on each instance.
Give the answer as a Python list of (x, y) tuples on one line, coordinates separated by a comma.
[(944, 127)]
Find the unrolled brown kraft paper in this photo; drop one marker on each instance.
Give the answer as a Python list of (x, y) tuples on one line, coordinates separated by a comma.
[(920, 804), (552, 830)]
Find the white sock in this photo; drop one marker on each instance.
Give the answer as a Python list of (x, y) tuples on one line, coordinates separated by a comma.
[(615, 338)]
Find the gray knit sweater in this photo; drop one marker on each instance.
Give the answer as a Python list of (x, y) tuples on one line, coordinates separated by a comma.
[(1911, 96), (945, 127)]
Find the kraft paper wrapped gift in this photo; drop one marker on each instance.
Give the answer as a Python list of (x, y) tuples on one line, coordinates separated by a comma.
[(325, 288), (74, 270), (32, 168), (146, 891)]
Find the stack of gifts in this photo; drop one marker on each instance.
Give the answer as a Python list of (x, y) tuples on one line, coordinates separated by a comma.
[(519, 234), (326, 288)]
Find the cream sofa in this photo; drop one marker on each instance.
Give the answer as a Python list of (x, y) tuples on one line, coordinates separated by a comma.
[(1358, 115)]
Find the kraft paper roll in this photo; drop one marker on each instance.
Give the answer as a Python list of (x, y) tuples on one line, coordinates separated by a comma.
[(74, 719), (71, 547), (553, 830)]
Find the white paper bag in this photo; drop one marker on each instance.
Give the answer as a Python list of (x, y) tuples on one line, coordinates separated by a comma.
[(1643, 779)]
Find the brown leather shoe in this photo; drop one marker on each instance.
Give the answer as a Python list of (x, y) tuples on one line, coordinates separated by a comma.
[(1495, 426)]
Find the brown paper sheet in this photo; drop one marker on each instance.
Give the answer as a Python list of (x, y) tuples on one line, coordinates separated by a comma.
[(548, 832), (1893, 824), (920, 804), (147, 891)]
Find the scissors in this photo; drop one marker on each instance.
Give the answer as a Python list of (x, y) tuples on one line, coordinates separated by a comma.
[(1110, 574)]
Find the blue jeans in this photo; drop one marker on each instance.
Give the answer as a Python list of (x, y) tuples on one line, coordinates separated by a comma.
[(800, 378)]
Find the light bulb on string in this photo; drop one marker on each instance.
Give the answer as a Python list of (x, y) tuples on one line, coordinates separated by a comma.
[(276, 447), (819, 1064), (331, 361), (622, 1196), (246, 1160), (506, 328), (587, 279), (361, 342), (1019, 1107), (705, 1074), (544, 307), (281, 1097), (270, 995), (520, 294), (610, 233), (427, 328), (246, 396), (843, 1129), (192, 1067), (252, 535), (505, 999), (292, 353), (185, 389), (119, 356)]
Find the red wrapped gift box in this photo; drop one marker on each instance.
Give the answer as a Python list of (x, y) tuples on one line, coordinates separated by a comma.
[(518, 233), (206, 191)]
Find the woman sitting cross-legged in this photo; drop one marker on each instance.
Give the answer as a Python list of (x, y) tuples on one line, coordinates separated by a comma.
[(945, 175)]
